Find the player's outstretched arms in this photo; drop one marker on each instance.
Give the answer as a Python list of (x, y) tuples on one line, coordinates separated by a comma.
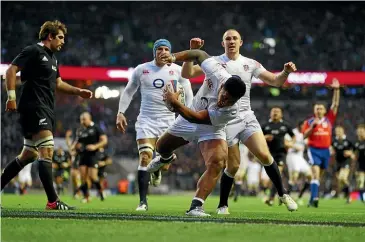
[(187, 55), (201, 117), (279, 79)]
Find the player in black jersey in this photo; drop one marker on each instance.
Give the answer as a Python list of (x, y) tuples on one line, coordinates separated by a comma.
[(61, 165), (275, 131), (75, 159), (104, 161), (359, 155), (40, 79), (90, 138), (343, 149)]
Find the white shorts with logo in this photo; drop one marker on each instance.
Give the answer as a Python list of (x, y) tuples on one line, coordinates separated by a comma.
[(24, 175), (148, 128), (241, 128), (297, 163), (196, 132)]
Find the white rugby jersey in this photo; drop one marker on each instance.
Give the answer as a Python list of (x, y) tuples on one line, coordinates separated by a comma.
[(245, 68), (207, 96), (253, 168), (151, 79), (299, 141)]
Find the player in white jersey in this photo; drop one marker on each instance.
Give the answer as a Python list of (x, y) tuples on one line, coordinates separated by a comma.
[(154, 118), (25, 178), (245, 127), (204, 121), (253, 175)]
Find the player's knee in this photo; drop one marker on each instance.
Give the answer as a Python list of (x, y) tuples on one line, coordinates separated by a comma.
[(217, 163), (265, 158), (232, 167), (144, 158)]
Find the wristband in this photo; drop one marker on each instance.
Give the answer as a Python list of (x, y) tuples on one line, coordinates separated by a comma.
[(11, 95), (286, 73)]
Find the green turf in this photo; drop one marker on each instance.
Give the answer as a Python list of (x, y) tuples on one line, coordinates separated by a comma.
[(116, 213), (82, 230)]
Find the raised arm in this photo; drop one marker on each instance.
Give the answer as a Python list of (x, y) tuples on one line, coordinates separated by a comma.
[(187, 55), (189, 70), (279, 79), (336, 96)]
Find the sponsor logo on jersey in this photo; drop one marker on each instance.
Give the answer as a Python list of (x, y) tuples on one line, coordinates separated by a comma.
[(245, 67), (209, 83), (158, 83), (144, 72)]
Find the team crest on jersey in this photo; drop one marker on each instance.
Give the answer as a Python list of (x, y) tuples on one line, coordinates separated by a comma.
[(171, 73), (145, 72), (245, 67)]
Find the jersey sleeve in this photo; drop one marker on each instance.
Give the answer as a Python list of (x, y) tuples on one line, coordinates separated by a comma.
[(185, 83), (221, 116), (130, 90), (263, 129), (257, 69), (331, 116), (214, 70), (58, 71), (100, 131), (24, 56)]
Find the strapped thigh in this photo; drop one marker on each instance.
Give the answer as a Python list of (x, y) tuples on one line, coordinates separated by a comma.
[(146, 147)]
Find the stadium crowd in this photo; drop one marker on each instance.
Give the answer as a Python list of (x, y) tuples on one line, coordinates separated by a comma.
[(122, 34)]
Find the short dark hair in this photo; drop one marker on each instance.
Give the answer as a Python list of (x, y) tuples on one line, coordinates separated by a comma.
[(235, 87), (51, 27), (278, 107)]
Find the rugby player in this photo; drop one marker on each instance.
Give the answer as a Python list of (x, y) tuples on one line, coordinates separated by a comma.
[(40, 79), (245, 127), (154, 118)]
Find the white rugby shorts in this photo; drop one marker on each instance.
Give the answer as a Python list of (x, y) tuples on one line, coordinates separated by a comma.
[(24, 175), (242, 128), (195, 132), (297, 163), (148, 128)]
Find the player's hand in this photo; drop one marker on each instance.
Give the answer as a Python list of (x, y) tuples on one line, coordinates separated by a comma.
[(166, 58), (84, 93), (316, 121), (335, 84), (196, 43), (347, 153), (68, 133), (10, 106), (269, 137), (91, 147), (171, 97), (121, 122), (101, 163), (290, 67), (64, 165)]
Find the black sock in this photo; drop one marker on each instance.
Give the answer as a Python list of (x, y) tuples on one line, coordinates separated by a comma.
[(273, 192), (85, 189), (143, 179), (10, 171), (274, 174), (290, 188), (98, 186), (225, 189), (305, 187), (195, 203), (45, 174), (346, 191)]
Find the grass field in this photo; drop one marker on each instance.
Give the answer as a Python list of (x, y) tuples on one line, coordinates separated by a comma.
[(24, 219)]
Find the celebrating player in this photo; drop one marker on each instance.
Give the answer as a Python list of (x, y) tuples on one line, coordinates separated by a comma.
[(154, 117), (245, 127), (40, 79), (318, 130), (213, 106)]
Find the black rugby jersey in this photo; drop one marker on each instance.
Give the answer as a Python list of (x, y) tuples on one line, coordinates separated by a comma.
[(278, 130)]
